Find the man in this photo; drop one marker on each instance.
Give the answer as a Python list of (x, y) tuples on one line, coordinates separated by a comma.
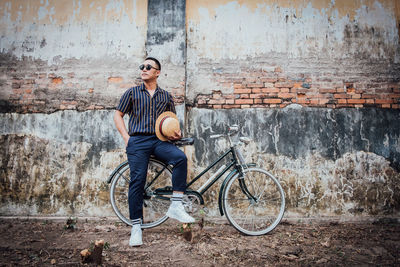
[(144, 103)]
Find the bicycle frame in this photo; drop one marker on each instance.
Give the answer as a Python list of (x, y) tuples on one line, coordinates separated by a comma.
[(237, 169), (232, 163)]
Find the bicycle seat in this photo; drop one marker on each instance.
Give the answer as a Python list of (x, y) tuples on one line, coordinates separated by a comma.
[(184, 141)]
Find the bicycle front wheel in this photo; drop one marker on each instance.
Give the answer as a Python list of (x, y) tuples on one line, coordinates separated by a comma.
[(154, 206), (255, 203)]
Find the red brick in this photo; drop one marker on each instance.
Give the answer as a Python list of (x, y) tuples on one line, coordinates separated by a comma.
[(57, 80), (244, 95), (297, 85), (302, 101), (258, 95), (244, 101), (217, 106), (395, 96), (242, 91), (269, 80), (384, 101), (216, 101), (303, 90), (286, 95), (270, 90), (323, 101), (255, 85), (341, 96), (230, 101), (370, 96), (237, 86), (299, 95), (115, 79), (245, 106), (356, 96), (356, 101), (231, 106), (351, 90), (327, 91), (256, 90), (342, 101), (284, 84), (343, 106), (272, 101)]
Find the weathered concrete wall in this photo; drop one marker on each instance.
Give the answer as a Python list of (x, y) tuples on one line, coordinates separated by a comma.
[(315, 84), (58, 163), (274, 53), (330, 162)]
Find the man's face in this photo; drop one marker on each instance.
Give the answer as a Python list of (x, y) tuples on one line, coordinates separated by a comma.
[(152, 74)]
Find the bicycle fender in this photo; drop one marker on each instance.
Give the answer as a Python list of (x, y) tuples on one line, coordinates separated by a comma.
[(109, 179), (232, 173)]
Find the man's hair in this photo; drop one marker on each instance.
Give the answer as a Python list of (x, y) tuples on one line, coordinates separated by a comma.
[(155, 60)]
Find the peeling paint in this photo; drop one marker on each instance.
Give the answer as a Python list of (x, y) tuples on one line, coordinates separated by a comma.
[(321, 175), (73, 29), (313, 29)]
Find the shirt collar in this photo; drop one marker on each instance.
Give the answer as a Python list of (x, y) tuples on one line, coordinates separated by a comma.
[(143, 88)]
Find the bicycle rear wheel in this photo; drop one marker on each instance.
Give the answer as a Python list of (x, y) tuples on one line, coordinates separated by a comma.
[(254, 204), (154, 206)]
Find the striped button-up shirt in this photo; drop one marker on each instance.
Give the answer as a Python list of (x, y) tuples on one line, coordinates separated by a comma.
[(143, 109)]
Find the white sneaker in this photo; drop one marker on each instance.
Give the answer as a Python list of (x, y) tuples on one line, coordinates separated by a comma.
[(136, 236), (177, 211)]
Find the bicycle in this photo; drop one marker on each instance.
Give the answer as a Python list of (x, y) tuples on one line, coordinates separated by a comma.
[(251, 198)]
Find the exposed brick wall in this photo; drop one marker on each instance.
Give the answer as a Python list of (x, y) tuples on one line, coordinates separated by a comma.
[(49, 92), (272, 89)]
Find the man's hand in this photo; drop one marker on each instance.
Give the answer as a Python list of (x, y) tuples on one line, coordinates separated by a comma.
[(126, 139), (119, 123), (177, 135)]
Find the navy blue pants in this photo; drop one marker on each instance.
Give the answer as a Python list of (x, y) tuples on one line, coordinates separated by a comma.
[(138, 150)]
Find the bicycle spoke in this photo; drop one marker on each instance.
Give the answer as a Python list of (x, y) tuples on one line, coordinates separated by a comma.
[(125, 178), (260, 213), (154, 208)]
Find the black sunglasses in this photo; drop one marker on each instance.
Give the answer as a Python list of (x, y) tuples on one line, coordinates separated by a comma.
[(148, 67)]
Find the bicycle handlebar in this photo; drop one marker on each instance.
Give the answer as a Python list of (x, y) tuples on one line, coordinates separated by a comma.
[(216, 136)]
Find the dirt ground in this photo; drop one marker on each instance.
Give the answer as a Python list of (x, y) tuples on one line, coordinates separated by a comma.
[(45, 242)]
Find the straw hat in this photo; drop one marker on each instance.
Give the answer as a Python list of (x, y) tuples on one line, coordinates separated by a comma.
[(166, 125)]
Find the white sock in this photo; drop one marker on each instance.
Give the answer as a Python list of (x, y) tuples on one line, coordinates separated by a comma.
[(176, 198), (136, 223)]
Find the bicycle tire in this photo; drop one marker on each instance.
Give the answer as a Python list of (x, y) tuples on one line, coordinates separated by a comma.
[(154, 207), (258, 211)]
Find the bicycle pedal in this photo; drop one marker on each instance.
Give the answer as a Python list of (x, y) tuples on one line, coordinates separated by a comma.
[(164, 190)]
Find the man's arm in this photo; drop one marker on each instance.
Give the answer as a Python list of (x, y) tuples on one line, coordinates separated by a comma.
[(120, 124)]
